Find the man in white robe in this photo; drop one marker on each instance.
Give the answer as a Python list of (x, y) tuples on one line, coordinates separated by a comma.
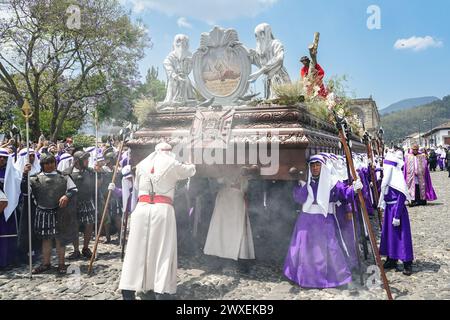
[(230, 234), (150, 262)]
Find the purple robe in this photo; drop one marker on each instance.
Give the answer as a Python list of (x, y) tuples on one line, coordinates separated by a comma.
[(366, 191), (396, 242), (441, 163), (8, 246), (346, 227), (425, 185), (316, 258)]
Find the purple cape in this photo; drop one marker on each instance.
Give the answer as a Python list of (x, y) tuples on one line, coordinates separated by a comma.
[(316, 258), (396, 242)]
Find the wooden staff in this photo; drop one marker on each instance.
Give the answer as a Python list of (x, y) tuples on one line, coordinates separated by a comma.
[(341, 125), (96, 171), (125, 225), (380, 141), (355, 232), (357, 216), (105, 209), (27, 113), (367, 140)]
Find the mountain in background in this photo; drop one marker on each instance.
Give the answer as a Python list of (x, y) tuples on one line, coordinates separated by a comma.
[(408, 104), (397, 125)]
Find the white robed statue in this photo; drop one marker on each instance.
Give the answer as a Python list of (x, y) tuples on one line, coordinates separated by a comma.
[(230, 233), (268, 57), (178, 66)]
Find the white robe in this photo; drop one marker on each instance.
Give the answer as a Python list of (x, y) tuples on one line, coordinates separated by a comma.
[(230, 234), (151, 255)]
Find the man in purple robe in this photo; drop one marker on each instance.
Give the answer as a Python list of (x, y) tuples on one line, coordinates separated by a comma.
[(317, 254), (396, 240), (418, 179)]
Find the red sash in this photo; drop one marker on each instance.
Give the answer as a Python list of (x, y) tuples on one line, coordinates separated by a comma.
[(156, 199)]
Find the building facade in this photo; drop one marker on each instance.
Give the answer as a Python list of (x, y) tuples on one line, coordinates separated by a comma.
[(439, 136), (367, 112)]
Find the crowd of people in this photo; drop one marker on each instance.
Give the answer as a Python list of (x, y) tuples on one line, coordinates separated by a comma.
[(438, 158), (324, 248), (325, 245), (63, 197)]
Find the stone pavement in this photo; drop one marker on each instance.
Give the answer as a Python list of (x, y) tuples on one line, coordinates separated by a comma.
[(199, 279)]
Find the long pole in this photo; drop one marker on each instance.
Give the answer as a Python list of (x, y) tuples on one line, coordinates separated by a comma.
[(96, 173), (105, 209), (125, 225), (27, 115), (373, 176), (355, 232), (372, 238)]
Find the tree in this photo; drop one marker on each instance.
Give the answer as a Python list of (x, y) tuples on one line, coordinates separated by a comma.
[(67, 70), (153, 88)]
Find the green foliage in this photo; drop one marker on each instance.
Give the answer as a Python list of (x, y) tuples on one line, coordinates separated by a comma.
[(289, 93), (68, 71), (153, 87), (293, 93), (143, 108), (83, 141), (69, 128), (398, 125)]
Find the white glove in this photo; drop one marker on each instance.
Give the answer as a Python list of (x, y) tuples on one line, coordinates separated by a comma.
[(381, 168), (357, 185), (111, 186), (301, 183), (396, 222)]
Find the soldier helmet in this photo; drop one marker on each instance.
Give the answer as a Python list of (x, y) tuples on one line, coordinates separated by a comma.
[(80, 156), (110, 157), (47, 158)]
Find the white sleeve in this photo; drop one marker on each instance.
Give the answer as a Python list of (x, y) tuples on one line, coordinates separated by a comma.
[(71, 185), (184, 171), (3, 197)]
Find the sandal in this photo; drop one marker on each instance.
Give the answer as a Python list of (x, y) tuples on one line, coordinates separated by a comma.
[(74, 255), (41, 269), (62, 269), (86, 253)]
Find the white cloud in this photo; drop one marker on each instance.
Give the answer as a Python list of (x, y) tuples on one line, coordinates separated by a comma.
[(205, 10), (183, 23), (418, 43)]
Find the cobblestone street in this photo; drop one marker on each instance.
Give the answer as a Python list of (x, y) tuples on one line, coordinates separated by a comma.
[(430, 280)]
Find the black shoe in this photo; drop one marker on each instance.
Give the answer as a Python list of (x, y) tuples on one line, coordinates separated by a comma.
[(390, 264), (148, 295), (128, 295), (244, 267), (164, 296), (76, 255), (87, 253), (407, 268)]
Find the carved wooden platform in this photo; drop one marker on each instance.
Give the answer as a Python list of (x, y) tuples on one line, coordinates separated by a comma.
[(292, 129)]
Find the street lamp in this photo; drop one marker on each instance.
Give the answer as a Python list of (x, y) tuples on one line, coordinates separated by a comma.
[(425, 142), (419, 133)]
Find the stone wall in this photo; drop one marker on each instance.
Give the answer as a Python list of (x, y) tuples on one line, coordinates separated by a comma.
[(367, 111)]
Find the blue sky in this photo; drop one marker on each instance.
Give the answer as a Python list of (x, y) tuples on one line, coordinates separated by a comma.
[(421, 67)]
